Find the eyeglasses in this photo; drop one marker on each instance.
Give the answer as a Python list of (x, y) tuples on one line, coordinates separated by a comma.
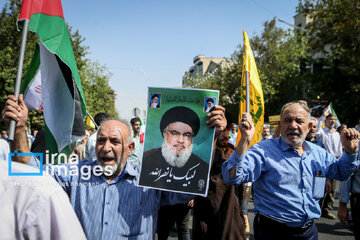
[(176, 134)]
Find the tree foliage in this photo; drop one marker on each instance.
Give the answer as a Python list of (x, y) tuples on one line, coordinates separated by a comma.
[(100, 97), (289, 65), (335, 32), (277, 54), (10, 39), (95, 78), (227, 81)]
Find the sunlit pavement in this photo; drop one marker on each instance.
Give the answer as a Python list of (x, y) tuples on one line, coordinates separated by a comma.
[(328, 229)]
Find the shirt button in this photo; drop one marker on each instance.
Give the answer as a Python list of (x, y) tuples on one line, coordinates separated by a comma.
[(106, 223), (107, 203)]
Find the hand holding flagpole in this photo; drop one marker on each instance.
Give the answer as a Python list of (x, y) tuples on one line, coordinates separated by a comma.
[(19, 74)]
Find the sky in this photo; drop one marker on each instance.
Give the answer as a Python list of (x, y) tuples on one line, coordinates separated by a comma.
[(151, 43)]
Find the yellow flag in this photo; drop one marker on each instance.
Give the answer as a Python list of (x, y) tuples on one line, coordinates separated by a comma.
[(89, 122), (256, 93)]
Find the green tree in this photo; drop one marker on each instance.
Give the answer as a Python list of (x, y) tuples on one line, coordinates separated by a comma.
[(10, 39), (94, 77), (277, 54), (80, 50), (99, 96), (227, 80), (334, 32)]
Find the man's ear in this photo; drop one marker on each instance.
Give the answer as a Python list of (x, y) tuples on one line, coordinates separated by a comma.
[(163, 134)]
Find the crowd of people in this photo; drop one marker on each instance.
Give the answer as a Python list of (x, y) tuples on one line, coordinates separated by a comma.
[(293, 175)]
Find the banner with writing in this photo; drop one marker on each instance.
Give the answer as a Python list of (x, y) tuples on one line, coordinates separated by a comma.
[(178, 142)]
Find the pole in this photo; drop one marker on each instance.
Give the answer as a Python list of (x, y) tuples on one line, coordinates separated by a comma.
[(19, 74), (247, 92)]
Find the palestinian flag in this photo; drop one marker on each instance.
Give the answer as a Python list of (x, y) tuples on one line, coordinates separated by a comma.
[(31, 84), (52, 81)]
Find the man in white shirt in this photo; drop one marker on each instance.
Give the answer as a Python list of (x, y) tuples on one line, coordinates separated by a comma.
[(136, 154), (331, 140), (35, 207), (4, 149), (329, 136)]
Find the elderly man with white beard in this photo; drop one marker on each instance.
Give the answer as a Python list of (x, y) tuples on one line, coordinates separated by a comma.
[(288, 173), (179, 125)]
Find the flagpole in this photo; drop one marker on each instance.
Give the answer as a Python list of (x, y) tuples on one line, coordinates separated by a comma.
[(247, 92), (19, 74)]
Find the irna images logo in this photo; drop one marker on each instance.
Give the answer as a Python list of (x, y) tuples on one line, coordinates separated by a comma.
[(39, 155), (72, 168)]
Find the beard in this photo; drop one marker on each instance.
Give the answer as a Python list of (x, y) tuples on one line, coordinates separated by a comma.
[(266, 137), (114, 169), (175, 159), (298, 142)]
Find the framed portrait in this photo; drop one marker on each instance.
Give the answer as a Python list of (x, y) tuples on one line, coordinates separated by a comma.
[(154, 100), (209, 103)]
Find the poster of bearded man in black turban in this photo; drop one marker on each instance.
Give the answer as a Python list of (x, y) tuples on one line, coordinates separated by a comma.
[(178, 142)]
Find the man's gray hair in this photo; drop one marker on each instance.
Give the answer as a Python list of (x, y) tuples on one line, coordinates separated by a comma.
[(307, 109), (266, 126), (130, 138), (315, 120)]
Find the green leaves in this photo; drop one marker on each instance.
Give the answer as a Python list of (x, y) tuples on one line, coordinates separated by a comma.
[(99, 96), (335, 32)]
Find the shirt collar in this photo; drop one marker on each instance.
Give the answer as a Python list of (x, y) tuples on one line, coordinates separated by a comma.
[(284, 146), (130, 169), (326, 129), (127, 171)]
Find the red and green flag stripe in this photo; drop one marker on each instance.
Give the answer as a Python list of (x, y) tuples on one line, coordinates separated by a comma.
[(61, 93)]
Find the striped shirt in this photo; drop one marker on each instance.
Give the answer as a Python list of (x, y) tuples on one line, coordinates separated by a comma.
[(112, 210), (288, 186)]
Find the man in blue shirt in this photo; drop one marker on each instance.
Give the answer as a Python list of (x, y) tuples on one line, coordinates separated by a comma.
[(104, 193), (288, 173)]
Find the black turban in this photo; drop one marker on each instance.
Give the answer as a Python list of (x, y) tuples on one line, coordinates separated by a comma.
[(210, 100), (180, 114), (155, 95)]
